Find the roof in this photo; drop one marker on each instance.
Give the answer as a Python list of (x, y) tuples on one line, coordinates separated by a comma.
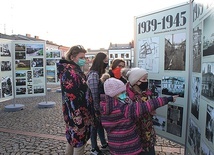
[(120, 46), (23, 37)]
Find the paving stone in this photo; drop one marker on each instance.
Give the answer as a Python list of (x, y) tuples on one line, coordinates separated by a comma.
[(41, 131), (158, 148)]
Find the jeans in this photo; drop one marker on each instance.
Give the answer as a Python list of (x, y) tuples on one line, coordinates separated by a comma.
[(100, 131)]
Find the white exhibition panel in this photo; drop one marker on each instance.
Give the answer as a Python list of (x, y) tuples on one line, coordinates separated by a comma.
[(176, 47), (52, 57), (29, 68), (6, 74), (161, 45), (201, 112)]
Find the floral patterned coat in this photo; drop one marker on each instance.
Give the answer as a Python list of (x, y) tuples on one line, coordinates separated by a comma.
[(75, 109)]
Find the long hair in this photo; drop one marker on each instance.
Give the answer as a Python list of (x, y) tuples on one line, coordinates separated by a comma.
[(98, 64)]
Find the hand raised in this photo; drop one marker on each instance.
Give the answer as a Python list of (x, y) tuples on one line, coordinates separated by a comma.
[(174, 97)]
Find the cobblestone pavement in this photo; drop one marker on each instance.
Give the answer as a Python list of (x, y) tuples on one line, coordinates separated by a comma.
[(40, 131)]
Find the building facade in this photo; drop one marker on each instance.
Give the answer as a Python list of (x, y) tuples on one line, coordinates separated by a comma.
[(122, 51)]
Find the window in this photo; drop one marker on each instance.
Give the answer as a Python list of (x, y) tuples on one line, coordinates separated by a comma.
[(116, 55), (111, 55), (127, 55), (122, 55)]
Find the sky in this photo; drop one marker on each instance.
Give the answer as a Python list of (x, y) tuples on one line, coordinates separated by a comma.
[(91, 23)]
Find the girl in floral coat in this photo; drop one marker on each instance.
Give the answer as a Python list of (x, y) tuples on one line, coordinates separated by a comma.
[(75, 109)]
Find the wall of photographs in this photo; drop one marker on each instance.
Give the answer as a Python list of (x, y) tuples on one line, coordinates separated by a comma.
[(52, 57), (201, 111), (6, 76), (179, 56), (162, 42), (29, 67)]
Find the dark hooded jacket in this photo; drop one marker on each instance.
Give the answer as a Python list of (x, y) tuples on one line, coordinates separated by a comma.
[(75, 109)]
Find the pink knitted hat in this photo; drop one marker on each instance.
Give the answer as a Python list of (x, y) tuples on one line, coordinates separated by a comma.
[(113, 87)]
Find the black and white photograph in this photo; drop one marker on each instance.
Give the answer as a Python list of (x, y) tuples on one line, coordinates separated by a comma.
[(20, 55), (29, 76), (6, 66), (196, 96), (6, 85), (53, 54), (207, 80), (205, 150), (29, 89), (21, 82), (173, 86), (22, 65), (20, 47), (197, 40), (194, 137), (38, 89), (174, 120), (37, 62), (175, 52), (159, 122), (34, 50), (155, 87), (208, 36), (0, 92), (38, 72), (149, 54), (20, 90), (209, 133), (51, 62), (5, 52), (20, 73)]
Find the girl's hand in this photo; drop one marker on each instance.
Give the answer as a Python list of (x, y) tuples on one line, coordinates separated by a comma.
[(174, 97), (153, 112)]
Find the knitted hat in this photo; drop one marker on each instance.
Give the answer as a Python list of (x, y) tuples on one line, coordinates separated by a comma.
[(113, 87), (135, 74)]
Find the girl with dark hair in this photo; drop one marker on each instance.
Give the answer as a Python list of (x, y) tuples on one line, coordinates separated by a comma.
[(98, 67)]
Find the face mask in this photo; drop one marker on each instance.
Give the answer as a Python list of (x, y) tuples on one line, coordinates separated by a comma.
[(105, 65), (143, 86), (122, 96), (117, 72), (81, 62)]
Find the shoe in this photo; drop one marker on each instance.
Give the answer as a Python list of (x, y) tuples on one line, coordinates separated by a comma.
[(96, 152), (105, 147)]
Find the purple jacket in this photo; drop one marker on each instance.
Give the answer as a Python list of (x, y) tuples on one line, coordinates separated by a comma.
[(118, 119), (144, 123)]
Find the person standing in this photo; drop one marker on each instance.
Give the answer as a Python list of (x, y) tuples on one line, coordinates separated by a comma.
[(98, 67), (115, 70), (75, 109), (119, 114), (137, 90)]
